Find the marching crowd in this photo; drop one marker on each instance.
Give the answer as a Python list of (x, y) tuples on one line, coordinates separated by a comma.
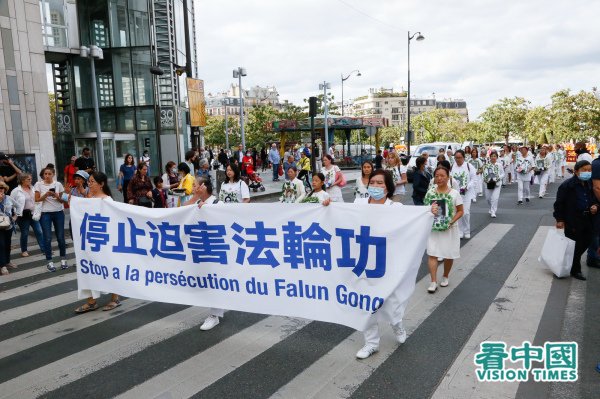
[(447, 183)]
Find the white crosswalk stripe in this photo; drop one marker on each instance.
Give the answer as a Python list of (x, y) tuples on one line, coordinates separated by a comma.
[(514, 316)]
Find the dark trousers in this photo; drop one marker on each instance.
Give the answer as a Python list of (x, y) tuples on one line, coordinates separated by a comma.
[(5, 246), (418, 201), (24, 223), (582, 242), (125, 184), (303, 175), (56, 219)]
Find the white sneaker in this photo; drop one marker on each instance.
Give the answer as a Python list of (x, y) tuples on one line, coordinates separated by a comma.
[(432, 287), (63, 264), (494, 215), (400, 333), (468, 236), (480, 195), (366, 351), (474, 199), (461, 235), (444, 282), (209, 323)]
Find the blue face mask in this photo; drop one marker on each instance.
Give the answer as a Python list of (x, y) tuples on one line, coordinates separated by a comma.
[(376, 193), (585, 176)]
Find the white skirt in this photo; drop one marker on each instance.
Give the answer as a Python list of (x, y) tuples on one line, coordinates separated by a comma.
[(444, 244), (335, 193)]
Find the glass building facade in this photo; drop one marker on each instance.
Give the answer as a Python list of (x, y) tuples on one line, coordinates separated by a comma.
[(132, 117)]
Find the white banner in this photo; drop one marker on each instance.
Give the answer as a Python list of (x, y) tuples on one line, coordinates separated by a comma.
[(337, 263)]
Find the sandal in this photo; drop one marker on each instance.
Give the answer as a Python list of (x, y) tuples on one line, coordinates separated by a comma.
[(111, 305), (87, 307)]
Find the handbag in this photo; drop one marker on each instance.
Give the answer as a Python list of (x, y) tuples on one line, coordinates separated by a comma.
[(491, 185), (37, 212), (557, 252), (280, 170), (5, 222), (343, 182), (145, 201)]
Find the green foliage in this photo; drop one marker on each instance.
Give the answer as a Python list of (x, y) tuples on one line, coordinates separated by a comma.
[(575, 116), (437, 124), (332, 108), (214, 131), (391, 135), (505, 118), (539, 126), (52, 102), (256, 126)]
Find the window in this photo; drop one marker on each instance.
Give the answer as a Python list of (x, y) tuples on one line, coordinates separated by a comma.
[(146, 119), (126, 120), (394, 117), (119, 23), (394, 110), (94, 23), (142, 77), (54, 28)]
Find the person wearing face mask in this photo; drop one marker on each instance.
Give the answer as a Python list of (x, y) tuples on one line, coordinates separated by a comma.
[(247, 162), (575, 210), (381, 189), (170, 177)]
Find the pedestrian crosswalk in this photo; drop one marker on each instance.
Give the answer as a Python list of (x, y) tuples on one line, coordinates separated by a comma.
[(498, 290)]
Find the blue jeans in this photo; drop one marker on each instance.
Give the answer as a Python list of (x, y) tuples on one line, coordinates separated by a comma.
[(58, 220), (275, 171), (24, 223)]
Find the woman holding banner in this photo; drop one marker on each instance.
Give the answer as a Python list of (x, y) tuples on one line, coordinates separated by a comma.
[(381, 189), (317, 194), (232, 192), (98, 188), (444, 240)]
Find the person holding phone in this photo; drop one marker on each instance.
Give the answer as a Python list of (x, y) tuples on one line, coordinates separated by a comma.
[(49, 193)]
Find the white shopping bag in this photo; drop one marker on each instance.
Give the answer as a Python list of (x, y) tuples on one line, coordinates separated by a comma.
[(557, 252)]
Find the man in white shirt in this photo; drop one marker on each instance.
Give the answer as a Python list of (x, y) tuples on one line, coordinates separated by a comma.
[(331, 151)]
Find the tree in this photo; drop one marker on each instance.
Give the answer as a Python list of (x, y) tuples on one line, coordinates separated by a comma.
[(293, 112), (437, 124), (256, 125), (575, 116), (539, 125), (332, 108), (52, 102), (505, 118), (391, 135), (214, 131)]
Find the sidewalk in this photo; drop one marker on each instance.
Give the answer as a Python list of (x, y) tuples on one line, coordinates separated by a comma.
[(272, 189)]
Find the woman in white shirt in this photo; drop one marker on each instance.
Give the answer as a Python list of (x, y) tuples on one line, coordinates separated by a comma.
[(235, 190), (49, 192), (232, 192), (317, 194), (381, 187), (98, 186), (24, 199), (361, 191), (333, 179), (444, 240), (398, 172), (493, 176), (523, 167), (465, 174), (293, 189), (542, 170)]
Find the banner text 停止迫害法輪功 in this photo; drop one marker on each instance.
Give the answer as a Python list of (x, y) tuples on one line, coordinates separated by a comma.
[(278, 259)]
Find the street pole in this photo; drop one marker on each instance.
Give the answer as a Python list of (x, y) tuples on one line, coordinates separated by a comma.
[(242, 115), (408, 101), (408, 132), (101, 166), (343, 80), (325, 86), (226, 125)]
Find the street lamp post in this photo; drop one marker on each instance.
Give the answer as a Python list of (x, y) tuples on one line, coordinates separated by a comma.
[(324, 86), (343, 80), (226, 102), (94, 52), (419, 37), (238, 73)]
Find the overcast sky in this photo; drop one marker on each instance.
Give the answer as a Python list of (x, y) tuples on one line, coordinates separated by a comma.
[(477, 50)]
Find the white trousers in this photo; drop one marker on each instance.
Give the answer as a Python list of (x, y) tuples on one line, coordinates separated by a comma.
[(505, 178), (464, 223), (397, 304), (543, 178), (558, 169), (522, 188), (478, 185), (217, 312), (492, 197)]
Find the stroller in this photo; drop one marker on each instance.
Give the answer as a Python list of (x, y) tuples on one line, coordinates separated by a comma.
[(254, 180)]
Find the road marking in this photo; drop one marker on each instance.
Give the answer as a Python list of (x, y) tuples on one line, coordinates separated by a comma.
[(34, 308), (513, 317), (48, 333), (52, 376), (338, 373), (37, 285), (200, 371), (19, 274)]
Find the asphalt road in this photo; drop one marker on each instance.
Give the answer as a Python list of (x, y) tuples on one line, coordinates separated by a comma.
[(156, 349)]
